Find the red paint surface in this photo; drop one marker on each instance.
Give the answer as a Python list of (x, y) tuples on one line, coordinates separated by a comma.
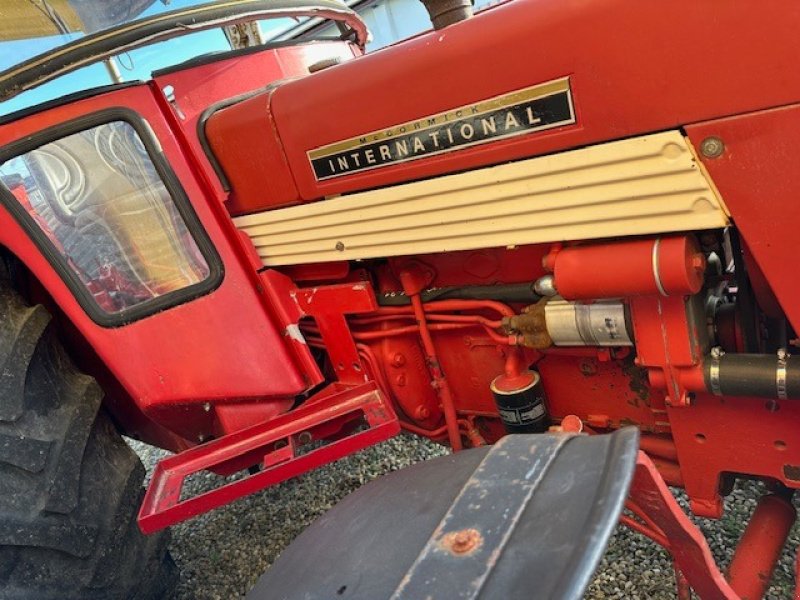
[(634, 68), (758, 178)]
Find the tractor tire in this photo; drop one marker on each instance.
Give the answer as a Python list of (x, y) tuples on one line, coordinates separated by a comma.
[(70, 487)]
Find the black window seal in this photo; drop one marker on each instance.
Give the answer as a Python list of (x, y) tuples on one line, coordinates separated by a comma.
[(68, 99), (175, 189)]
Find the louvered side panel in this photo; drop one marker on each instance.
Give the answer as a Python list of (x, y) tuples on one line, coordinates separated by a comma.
[(645, 185)]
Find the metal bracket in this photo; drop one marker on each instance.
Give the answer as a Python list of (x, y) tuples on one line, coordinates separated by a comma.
[(273, 444), (329, 305), (686, 543)]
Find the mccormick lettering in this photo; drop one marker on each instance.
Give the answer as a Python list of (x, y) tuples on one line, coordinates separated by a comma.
[(524, 111)]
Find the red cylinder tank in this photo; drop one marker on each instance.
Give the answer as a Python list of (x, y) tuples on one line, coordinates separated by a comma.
[(668, 266)]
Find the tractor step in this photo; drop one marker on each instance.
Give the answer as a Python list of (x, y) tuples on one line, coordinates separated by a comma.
[(326, 428)]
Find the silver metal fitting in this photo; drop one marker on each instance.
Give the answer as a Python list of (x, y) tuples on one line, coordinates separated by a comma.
[(545, 286)]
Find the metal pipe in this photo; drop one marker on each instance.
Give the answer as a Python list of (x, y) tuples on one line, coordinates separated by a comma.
[(447, 12), (662, 447), (760, 547), (113, 70), (429, 433), (670, 471), (439, 380), (509, 292), (451, 305)]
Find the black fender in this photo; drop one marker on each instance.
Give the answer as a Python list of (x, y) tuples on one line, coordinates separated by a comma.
[(529, 517)]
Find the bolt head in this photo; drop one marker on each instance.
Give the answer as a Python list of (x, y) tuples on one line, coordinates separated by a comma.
[(462, 541), (340, 246), (712, 147)]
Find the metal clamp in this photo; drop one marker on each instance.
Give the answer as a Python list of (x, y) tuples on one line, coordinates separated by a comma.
[(713, 371), (780, 373)]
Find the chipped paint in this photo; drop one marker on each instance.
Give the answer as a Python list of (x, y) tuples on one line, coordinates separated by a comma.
[(292, 331)]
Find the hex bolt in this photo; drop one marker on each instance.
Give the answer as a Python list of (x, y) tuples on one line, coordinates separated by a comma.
[(712, 147), (340, 246), (398, 360)]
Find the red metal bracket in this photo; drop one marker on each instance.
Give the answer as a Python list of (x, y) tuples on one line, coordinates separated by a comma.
[(273, 444), (682, 538), (329, 305)]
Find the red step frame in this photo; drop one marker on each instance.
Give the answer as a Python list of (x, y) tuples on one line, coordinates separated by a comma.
[(162, 505)]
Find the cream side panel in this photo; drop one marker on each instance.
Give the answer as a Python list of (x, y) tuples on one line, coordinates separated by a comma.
[(646, 185)]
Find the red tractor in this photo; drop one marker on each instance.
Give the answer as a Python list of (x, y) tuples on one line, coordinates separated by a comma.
[(569, 221)]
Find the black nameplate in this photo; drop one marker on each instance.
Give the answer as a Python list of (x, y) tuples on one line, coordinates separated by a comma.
[(521, 112)]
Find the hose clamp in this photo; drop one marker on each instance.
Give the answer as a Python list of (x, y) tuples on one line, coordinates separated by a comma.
[(781, 374), (713, 370)]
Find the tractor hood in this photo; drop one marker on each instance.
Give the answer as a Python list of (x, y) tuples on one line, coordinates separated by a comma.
[(522, 79)]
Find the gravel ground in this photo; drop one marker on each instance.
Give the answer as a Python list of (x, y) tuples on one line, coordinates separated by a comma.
[(222, 554)]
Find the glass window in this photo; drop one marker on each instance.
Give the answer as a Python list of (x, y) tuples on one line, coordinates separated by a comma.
[(97, 196)]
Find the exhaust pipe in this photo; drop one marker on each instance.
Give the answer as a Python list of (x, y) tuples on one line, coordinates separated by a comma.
[(447, 12)]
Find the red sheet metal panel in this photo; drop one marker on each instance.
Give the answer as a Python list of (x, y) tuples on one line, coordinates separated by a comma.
[(757, 175), (669, 64)]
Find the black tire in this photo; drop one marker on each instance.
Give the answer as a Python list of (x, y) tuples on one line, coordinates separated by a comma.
[(70, 487)]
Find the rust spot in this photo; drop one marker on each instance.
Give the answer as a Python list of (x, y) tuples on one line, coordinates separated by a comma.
[(791, 472), (637, 381), (464, 541), (588, 367)]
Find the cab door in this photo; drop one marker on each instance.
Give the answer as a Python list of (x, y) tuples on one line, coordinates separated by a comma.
[(101, 204)]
